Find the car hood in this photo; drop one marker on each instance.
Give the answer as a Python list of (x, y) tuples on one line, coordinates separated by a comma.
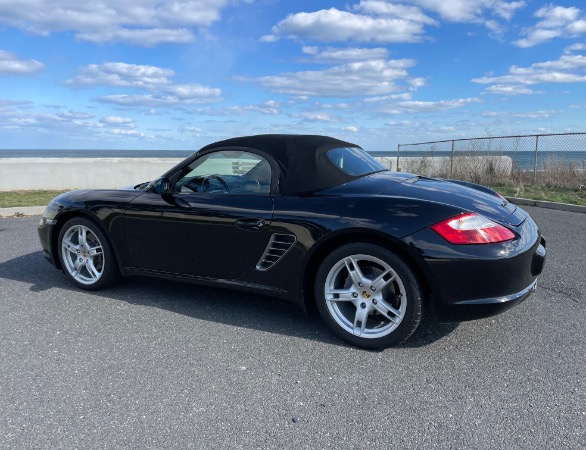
[(85, 197), (467, 198)]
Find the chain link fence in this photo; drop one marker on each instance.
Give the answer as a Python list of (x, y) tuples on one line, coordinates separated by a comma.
[(551, 160)]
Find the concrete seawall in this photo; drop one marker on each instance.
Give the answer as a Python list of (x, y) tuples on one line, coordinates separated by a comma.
[(79, 173)]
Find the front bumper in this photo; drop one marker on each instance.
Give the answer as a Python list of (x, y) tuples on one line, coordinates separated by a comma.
[(45, 231)]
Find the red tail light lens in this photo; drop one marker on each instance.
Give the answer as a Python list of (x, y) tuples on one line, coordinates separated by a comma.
[(472, 228)]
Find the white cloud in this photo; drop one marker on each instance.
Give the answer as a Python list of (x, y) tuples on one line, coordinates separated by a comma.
[(147, 37), (556, 21), (363, 78), (75, 115), (31, 119), (526, 115), (69, 123), (190, 130), (416, 83), (10, 64), (575, 48), (116, 120), (415, 129), (151, 101), (495, 29), (404, 104), (124, 132), (337, 55), (566, 62), (384, 8), (315, 117), (351, 129), (121, 75), (386, 21), (566, 69), (511, 89), (138, 22), (404, 96), (330, 25), (406, 123), (270, 108), (413, 106), (469, 10), (12, 103), (337, 106), (22, 120), (156, 81), (190, 92), (534, 115), (428, 126)]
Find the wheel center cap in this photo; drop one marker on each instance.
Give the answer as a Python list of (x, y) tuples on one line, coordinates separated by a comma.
[(365, 294), (84, 253)]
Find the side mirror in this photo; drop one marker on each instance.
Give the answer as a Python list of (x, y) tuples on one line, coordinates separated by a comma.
[(161, 186)]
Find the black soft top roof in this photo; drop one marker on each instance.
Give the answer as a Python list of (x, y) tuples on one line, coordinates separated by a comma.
[(303, 163)]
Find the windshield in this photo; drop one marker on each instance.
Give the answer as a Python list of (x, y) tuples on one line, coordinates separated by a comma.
[(354, 161)]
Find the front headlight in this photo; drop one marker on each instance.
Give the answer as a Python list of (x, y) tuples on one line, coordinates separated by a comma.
[(50, 213), (45, 221)]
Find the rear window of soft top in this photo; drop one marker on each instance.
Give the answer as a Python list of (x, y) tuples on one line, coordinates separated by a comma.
[(354, 161)]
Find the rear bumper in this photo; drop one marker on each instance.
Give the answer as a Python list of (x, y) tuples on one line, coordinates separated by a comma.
[(486, 307), (473, 282)]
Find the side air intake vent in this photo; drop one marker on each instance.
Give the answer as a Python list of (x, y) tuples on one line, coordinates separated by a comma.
[(278, 245)]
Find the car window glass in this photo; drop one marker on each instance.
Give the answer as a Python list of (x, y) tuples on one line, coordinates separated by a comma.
[(226, 172), (354, 161)]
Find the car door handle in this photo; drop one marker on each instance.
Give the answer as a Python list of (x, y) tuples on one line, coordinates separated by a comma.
[(250, 224)]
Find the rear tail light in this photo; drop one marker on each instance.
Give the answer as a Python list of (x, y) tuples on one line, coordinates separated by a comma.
[(472, 228)]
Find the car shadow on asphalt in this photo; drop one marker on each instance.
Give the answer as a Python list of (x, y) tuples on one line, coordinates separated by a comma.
[(213, 304)]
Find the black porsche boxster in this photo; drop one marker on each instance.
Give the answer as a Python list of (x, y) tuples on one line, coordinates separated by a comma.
[(314, 221)]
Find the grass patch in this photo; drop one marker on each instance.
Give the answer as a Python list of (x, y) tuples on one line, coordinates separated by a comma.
[(27, 198), (550, 194)]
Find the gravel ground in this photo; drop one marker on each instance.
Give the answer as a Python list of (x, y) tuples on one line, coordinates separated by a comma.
[(155, 364)]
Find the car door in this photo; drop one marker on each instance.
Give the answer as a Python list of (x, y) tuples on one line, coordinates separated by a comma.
[(212, 221)]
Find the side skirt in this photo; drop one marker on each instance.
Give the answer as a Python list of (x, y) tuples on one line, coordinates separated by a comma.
[(229, 284)]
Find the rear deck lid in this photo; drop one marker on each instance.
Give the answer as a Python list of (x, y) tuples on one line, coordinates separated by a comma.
[(467, 198)]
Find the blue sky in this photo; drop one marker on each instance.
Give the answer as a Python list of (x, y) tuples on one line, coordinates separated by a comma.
[(149, 74)]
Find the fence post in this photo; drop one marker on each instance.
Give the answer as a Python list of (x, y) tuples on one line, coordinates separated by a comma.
[(535, 160), (398, 150), (452, 161)]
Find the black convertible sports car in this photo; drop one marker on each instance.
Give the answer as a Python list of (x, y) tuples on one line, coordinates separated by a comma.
[(315, 221)]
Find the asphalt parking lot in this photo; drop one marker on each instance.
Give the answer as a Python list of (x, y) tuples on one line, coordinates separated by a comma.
[(155, 364)]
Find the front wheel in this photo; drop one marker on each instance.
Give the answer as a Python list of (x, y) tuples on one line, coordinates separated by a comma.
[(368, 296), (86, 255)]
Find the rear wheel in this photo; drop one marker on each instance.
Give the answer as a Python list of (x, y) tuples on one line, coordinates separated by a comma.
[(368, 296), (86, 255)]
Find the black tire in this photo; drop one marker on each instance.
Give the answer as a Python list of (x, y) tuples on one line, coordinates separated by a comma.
[(364, 280), (86, 255)]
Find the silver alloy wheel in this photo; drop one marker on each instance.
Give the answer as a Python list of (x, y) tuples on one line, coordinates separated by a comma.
[(365, 296), (83, 254)]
